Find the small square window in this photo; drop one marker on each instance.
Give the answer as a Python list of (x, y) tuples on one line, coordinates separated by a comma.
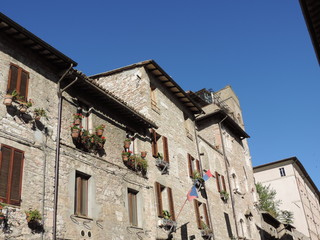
[(282, 172)]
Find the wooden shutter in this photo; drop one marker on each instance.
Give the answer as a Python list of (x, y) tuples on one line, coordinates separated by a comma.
[(23, 89), (159, 199), (206, 216), (218, 181), (81, 194), (13, 79), (190, 165), (165, 149), (154, 144), (16, 178), (196, 209), (78, 196), (171, 204), (223, 184), (11, 167), (132, 207), (198, 166)]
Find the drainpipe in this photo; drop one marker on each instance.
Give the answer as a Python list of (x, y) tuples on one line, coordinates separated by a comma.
[(57, 158), (207, 201), (228, 176)]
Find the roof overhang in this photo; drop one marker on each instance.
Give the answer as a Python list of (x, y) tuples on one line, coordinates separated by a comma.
[(165, 79), (219, 115), (27, 39), (311, 12), (106, 100)]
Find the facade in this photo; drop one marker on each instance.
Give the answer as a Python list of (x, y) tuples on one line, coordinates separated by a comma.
[(131, 181), (304, 195)]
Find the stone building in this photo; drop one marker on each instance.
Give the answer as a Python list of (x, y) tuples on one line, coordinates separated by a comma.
[(91, 186), (289, 178)]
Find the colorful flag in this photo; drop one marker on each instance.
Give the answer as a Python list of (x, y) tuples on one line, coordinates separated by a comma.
[(207, 175), (192, 193)]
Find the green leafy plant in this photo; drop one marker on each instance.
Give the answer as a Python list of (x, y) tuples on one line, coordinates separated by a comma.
[(197, 176), (14, 94), (40, 112), (100, 127), (72, 127), (224, 195), (77, 116), (166, 214), (286, 217), (33, 215), (267, 199), (128, 153), (160, 156)]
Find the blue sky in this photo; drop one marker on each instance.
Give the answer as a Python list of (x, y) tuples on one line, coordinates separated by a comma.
[(261, 48)]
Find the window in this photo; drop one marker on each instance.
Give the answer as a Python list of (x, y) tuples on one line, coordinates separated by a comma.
[(227, 219), (202, 216), (282, 172), (221, 184), (133, 207), (164, 200), (155, 137), (194, 165), (81, 194), (11, 167), (18, 80), (154, 102), (188, 126), (86, 121)]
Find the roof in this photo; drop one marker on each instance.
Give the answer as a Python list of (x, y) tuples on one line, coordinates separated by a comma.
[(108, 101), (164, 78), (228, 122), (311, 12), (27, 39), (286, 161)]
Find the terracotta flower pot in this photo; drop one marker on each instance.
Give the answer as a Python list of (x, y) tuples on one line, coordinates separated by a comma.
[(125, 157), (126, 144), (143, 154), (99, 132), (75, 133), (77, 121), (7, 100), (37, 117)]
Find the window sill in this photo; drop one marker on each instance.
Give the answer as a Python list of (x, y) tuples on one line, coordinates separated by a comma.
[(135, 227), (83, 217)]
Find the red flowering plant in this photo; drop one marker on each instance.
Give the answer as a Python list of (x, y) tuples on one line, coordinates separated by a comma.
[(77, 116), (128, 153)]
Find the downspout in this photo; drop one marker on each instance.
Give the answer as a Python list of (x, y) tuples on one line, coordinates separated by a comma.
[(228, 176), (207, 201), (57, 158)]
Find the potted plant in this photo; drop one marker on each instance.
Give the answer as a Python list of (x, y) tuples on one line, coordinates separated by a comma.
[(9, 97), (166, 214), (100, 129), (100, 141), (23, 107), (197, 179), (142, 164), (125, 155), (143, 154), (127, 143), (75, 131), (167, 221), (33, 215), (224, 195), (77, 117), (38, 113)]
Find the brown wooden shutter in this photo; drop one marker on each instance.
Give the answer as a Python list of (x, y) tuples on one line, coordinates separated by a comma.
[(198, 166), (159, 199), (4, 173), (206, 216), (78, 196), (223, 184), (16, 178), (13, 79), (218, 181), (190, 165), (154, 143), (23, 89), (171, 204), (165, 149), (196, 209)]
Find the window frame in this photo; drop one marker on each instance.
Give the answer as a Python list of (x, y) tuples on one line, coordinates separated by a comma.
[(159, 189), (282, 172), (20, 70), (7, 199), (221, 184), (193, 165), (197, 205), (80, 179), (133, 207)]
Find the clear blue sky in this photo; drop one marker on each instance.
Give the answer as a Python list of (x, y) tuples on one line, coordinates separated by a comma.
[(261, 48)]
